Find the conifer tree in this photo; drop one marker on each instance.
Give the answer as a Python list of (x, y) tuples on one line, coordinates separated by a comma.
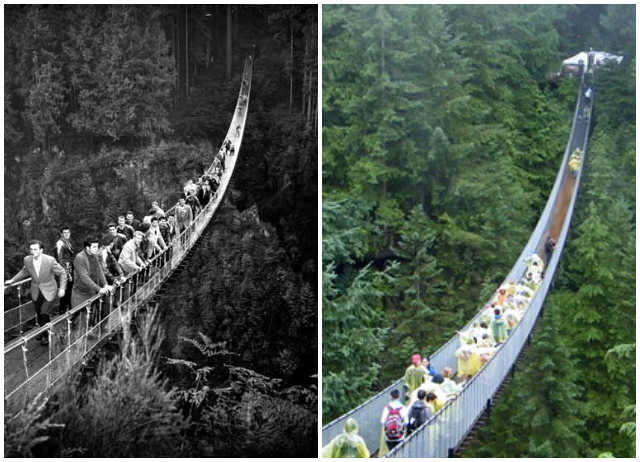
[(539, 415)]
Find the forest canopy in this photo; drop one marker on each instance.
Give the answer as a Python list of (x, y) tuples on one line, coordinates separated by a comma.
[(443, 128)]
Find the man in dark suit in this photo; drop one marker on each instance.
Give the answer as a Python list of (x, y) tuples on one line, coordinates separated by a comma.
[(64, 254), (135, 224), (42, 269), (90, 280)]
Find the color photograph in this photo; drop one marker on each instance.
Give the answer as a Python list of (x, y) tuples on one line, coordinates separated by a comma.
[(478, 231)]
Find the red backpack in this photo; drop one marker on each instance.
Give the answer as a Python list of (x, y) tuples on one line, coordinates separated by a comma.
[(393, 427)]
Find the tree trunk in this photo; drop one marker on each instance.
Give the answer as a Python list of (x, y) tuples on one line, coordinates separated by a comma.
[(235, 25), (291, 72), (186, 47), (176, 57), (208, 52), (229, 44)]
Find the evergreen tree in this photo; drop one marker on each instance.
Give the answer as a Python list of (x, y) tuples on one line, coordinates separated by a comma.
[(123, 79), (351, 314), (416, 317), (540, 413), (598, 315)]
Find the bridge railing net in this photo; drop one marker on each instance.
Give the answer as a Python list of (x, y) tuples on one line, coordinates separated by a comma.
[(368, 414), (75, 334)]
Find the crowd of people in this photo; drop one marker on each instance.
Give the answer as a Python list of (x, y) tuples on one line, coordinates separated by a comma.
[(104, 263), (427, 390)]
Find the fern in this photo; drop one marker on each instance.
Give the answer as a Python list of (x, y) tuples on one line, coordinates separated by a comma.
[(27, 429)]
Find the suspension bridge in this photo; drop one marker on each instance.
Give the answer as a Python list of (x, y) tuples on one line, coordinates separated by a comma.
[(30, 368), (444, 435)]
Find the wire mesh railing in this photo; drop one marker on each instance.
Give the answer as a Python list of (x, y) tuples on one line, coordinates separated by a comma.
[(74, 335)]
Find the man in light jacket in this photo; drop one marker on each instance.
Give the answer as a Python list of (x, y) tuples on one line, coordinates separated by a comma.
[(42, 269)]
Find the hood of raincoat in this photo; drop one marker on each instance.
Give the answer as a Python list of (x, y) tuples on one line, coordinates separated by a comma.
[(351, 426)]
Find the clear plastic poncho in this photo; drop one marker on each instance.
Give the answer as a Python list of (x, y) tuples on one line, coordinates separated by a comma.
[(347, 445)]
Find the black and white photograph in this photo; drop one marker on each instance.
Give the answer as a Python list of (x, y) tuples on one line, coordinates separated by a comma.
[(161, 230)]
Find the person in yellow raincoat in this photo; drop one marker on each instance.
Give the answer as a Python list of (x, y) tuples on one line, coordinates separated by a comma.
[(511, 288), (575, 160), (415, 374), (347, 445), (468, 358)]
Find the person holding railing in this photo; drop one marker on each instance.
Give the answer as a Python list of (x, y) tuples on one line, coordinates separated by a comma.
[(90, 279), (109, 263), (145, 246), (114, 239), (110, 266), (156, 241), (43, 270), (130, 261)]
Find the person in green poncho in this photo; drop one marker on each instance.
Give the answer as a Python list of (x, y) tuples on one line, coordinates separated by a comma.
[(498, 327), (415, 375), (347, 445)]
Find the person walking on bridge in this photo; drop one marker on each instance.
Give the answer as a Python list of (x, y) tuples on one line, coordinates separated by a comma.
[(348, 445), (184, 216), (90, 279), (394, 422), (64, 254), (588, 95), (415, 375), (42, 269), (549, 247)]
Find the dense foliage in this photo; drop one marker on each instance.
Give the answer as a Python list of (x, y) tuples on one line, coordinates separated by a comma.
[(441, 139)]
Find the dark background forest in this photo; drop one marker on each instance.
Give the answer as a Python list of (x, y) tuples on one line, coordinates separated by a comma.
[(108, 108), (443, 129)]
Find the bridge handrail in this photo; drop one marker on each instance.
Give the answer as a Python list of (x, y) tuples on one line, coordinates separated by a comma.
[(160, 268)]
